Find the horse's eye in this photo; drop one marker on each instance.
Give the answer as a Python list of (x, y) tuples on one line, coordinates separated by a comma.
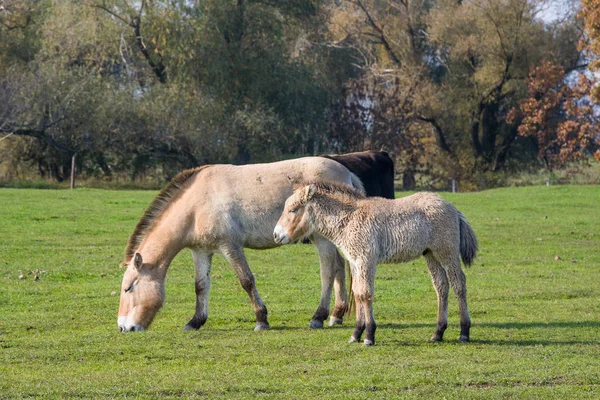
[(130, 288), (294, 210)]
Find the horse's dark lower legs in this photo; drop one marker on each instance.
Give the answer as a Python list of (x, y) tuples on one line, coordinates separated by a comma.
[(440, 283), (364, 322), (202, 263), (237, 259), (360, 322)]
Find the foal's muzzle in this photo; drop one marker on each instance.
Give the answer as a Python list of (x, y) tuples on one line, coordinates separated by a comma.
[(280, 235)]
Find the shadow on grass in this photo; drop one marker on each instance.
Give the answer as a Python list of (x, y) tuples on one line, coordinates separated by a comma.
[(507, 325), (512, 326)]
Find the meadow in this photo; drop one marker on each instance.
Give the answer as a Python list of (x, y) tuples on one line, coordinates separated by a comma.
[(533, 291)]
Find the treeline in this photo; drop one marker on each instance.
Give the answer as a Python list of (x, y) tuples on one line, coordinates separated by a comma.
[(452, 89)]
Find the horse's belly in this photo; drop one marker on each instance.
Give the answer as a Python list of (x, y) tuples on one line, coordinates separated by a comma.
[(260, 243)]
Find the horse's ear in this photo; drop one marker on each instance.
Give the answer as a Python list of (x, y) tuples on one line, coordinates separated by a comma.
[(137, 261), (123, 264)]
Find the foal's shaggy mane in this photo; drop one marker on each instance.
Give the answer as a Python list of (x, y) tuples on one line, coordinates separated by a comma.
[(156, 209), (334, 188)]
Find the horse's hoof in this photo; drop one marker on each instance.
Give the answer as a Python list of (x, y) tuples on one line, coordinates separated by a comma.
[(315, 324), (352, 339), (189, 327), (261, 326), (463, 339), (435, 339), (335, 321), (368, 343)]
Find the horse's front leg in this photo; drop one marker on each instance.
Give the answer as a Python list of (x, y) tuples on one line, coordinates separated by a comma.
[(235, 255), (332, 275), (202, 263)]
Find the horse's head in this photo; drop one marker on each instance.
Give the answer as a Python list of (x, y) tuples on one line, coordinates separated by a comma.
[(294, 222), (142, 294)]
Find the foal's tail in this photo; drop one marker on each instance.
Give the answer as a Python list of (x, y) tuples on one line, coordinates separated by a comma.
[(468, 241)]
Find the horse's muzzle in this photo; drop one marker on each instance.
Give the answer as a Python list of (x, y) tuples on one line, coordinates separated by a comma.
[(125, 326)]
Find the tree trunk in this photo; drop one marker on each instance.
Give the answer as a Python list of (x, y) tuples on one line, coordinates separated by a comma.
[(73, 170)]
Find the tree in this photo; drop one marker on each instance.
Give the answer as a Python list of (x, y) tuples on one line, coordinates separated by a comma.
[(463, 64), (557, 114), (590, 12)]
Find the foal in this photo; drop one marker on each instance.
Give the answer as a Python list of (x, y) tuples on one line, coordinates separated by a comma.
[(374, 230)]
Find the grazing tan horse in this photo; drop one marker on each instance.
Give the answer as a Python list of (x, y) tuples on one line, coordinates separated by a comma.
[(223, 209), (374, 230)]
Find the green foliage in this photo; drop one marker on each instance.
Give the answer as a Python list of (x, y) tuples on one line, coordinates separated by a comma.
[(138, 88), (535, 315)]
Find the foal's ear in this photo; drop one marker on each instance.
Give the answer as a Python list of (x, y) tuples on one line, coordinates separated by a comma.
[(137, 261), (309, 192)]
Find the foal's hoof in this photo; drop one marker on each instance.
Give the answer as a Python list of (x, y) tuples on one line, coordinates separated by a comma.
[(463, 339), (315, 324), (352, 339), (261, 326), (435, 338), (368, 343), (335, 321)]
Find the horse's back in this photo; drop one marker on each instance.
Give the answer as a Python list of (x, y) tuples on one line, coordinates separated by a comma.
[(242, 203)]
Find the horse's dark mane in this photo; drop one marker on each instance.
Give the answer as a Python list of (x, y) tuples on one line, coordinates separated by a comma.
[(156, 209), (338, 188)]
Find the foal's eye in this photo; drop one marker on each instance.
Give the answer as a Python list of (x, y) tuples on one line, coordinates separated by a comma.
[(294, 210), (130, 288)]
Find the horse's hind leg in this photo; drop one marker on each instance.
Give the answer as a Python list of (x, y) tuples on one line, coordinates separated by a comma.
[(202, 263), (458, 281), (440, 283), (237, 259), (332, 275)]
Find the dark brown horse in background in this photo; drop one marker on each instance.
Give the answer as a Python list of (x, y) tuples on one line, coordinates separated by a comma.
[(375, 169)]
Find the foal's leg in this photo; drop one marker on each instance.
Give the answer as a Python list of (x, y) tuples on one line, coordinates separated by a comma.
[(332, 275), (235, 255), (202, 262), (363, 285), (458, 281), (359, 328), (440, 283)]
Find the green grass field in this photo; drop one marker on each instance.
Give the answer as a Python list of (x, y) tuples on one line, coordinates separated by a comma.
[(534, 297)]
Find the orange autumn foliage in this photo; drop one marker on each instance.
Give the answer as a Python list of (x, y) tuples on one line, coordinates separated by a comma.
[(558, 116), (590, 13)]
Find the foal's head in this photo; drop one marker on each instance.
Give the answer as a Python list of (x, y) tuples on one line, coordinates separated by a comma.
[(294, 222), (142, 294)]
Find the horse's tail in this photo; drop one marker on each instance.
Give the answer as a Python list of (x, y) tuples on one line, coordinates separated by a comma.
[(468, 241), (356, 182), (351, 304)]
